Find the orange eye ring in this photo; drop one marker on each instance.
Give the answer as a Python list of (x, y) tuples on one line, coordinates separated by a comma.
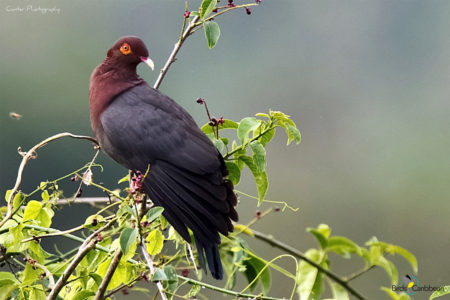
[(125, 49)]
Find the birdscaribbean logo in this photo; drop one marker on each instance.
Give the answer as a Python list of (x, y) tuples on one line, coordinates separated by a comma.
[(410, 282), (411, 285)]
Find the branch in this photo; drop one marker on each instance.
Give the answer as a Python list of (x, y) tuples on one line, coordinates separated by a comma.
[(149, 261), (87, 246), (115, 290), (356, 275), (87, 200), (31, 154), (109, 273), (227, 9), (88, 171), (175, 50), (51, 280), (225, 291), (57, 233), (289, 249)]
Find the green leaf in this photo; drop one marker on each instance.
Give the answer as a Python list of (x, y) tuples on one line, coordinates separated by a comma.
[(154, 213), (206, 8), (377, 258), (163, 222), (45, 196), (343, 246), (127, 238), (97, 278), (6, 288), (394, 249), (246, 126), (159, 275), (212, 33), (32, 210), (168, 277), (289, 126), (262, 115), (321, 233), (259, 156), (155, 242), (37, 293), (218, 143), (122, 274), (18, 200), (171, 284), (37, 252), (8, 277), (94, 221), (252, 267), (293, 133), (308, 278), (83, 295), (445, 290), (35, 212), (394, 295), (8, 283), (195, 289), (261, 180), (339, 293), (227, 124), (124, 179), (30, 275), (12, 240), (8, 192), (234, 173), (267, 137)]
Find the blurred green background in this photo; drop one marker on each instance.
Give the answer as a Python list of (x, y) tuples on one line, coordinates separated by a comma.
[(367, 83)]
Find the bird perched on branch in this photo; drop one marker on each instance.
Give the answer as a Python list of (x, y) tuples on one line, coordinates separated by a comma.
[(138, 126)]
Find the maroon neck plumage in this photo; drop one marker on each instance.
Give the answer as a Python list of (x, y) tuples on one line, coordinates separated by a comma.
[(109, 79)]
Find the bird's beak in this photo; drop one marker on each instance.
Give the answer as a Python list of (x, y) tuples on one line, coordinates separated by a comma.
[(148, 62)]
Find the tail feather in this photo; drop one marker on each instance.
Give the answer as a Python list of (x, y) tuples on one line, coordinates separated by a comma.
[(212, 257), (183, 211), (202, 187), (194, 204), (189, 201)]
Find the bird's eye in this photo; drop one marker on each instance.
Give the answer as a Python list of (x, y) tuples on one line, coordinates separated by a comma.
[(125, 49)]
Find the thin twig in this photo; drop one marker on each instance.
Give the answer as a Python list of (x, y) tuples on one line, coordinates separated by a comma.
[(191, 255), (38, 237), (175, 50), (89, 169), (241, 147), (225, 291), (149, 261), (289, 249), (115, 290), (109, 274), (356, 275), (227, 10), (32, 154), (51, 280), (87, 246)]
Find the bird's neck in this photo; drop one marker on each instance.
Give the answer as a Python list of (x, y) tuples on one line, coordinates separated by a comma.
[(107, 81)]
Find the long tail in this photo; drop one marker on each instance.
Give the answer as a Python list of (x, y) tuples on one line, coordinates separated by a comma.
[(205, 204)]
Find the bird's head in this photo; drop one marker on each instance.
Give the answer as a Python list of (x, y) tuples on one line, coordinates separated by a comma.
[(129, 51)]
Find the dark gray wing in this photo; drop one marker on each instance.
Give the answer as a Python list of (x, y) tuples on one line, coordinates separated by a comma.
[(142, 126)]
